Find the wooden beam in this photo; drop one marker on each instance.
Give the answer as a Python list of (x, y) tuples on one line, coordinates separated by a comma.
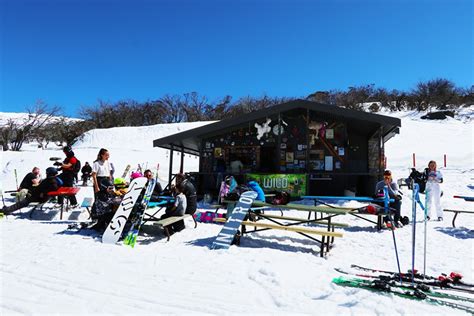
[(309, 208), (292, 228)]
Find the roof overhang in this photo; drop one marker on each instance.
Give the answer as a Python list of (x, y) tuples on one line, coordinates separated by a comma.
[(190, 141)]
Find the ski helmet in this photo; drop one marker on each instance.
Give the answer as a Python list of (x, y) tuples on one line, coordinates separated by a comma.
[(119, 183), (135, 175), (51, 171)]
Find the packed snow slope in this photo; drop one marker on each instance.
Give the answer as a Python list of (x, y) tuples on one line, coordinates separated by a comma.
[(47, 269)]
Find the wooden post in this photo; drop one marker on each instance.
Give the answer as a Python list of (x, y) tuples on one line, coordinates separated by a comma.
[(171, 166), (414, 164), (181, 167), (445, 160)]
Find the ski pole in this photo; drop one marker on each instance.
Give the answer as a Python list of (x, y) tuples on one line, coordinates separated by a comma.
[(16, 179), (3, 199), (415, 192), (387, 211), (426, 221)]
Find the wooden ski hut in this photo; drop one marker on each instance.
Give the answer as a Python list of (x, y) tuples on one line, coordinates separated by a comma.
[(302, 147)]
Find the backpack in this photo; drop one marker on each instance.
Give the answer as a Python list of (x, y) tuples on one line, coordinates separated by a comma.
[(77, 166), (281, 198)]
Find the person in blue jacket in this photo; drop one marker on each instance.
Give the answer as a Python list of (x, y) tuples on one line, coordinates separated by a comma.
[(257, 188)]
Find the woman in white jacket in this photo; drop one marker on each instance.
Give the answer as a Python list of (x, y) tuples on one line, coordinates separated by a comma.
[(434, 178)]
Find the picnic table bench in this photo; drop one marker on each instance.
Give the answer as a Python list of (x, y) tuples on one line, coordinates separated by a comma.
[(456, 213), (166, 222), (294, 224)]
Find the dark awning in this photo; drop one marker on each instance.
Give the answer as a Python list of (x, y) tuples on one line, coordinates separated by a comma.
[(190, 141)]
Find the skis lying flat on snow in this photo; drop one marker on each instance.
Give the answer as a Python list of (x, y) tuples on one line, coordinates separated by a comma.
[(444, 280), (407, 284), (406, 292), (132, 235)]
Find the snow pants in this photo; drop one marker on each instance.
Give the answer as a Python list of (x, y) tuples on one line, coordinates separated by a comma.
[(433, 199)]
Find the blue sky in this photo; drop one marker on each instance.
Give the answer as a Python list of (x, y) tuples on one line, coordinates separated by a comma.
[(74, 52)]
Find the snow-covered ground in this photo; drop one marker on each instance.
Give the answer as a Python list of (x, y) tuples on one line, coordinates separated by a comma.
[(46, 269)]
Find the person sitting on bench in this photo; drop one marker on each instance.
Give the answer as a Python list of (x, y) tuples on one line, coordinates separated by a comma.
[(157, 190), (177, 209), (39, 193), (105, 204), (393, 193)]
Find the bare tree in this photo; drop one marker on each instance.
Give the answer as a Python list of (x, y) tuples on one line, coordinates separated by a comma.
[(15, 133)]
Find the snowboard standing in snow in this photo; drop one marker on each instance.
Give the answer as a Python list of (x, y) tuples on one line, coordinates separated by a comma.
[(117, 224), (226, 236), (139, 213)]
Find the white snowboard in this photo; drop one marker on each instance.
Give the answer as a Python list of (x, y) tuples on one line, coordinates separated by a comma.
[(116, 225)]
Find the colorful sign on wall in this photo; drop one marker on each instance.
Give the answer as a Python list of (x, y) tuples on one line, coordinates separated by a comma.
[(294, 184)]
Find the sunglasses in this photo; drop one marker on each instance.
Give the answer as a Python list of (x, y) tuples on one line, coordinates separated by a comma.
[(387, 177), (148, 175)]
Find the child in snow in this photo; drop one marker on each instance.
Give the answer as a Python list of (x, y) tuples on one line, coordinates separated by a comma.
[(178, 209), (393, 193), (434, 178)]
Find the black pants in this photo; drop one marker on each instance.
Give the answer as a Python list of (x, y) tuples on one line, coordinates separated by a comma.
[(68, 181), (18, 205), (395, 208)]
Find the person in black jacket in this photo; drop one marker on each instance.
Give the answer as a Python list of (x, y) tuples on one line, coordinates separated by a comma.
[(39, 193), (157, 190), (86, 173), (30, 180), (188, 189)]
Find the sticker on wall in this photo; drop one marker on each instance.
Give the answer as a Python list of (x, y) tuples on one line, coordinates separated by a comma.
[(263, 129), (283, 146), (217, 152), (330, 133), (328, 163), (289, 157), (341, 151), (278, 131), (337, 165), (316, 164)]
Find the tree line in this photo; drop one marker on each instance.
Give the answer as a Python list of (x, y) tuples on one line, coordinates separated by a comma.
[(44, 124)]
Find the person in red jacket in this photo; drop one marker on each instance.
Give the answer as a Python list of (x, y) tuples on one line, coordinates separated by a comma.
[(68, 174)]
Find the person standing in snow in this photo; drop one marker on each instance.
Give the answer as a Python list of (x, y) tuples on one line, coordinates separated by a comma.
[(101, 169), (433, 179), (393, 193), (68, 174)]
